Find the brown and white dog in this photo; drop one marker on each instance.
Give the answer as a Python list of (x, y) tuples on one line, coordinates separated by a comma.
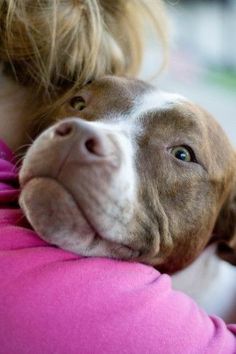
[(138, 174)]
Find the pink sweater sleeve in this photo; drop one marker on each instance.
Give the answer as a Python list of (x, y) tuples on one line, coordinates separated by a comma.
[(52, 301)]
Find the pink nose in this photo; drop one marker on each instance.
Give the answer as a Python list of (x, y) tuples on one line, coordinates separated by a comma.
[(92, 143)]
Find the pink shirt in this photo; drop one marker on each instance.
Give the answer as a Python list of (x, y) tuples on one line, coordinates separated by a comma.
[(52, 301)]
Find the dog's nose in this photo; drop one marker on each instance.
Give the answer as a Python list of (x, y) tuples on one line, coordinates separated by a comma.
[(91, 143), (64, 129)]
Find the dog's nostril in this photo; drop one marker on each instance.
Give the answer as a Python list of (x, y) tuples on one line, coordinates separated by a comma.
[(63, 129), (93, 146)]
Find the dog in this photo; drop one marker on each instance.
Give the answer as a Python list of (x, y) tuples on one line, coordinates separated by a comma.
[(134, 173)]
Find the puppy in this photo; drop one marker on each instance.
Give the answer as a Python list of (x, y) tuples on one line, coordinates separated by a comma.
[(132, 173)]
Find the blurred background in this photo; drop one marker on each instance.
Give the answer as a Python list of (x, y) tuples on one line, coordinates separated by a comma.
[(203, 57)]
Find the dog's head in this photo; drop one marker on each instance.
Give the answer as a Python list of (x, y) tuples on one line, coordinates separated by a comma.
[(131, 173)]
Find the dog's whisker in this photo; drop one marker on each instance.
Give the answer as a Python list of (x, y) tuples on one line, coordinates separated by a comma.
[(20, 219), (30, 139), (23, 147), (19, 162)]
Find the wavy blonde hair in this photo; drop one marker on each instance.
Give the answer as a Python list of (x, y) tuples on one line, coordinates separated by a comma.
[(52, 42), (57, 46)]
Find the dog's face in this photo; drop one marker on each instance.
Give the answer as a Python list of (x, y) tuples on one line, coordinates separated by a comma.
[(131, 173)]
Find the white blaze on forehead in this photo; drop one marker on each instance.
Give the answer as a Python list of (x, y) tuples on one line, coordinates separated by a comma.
[(155, 101), (129, 123)]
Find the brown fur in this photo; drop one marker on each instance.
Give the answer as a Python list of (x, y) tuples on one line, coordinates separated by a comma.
[(226, 225)]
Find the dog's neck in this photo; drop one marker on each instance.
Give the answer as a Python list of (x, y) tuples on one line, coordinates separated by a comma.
[(14, 112)]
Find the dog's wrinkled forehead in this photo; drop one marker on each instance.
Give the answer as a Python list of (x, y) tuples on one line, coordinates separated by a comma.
[(143, 107), (128, 96), (129, 101)]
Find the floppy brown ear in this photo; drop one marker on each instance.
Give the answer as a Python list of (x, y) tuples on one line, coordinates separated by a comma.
[(225, 229)]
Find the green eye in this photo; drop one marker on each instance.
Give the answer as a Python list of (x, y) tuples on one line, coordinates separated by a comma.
[(78, 103), (182, 153)]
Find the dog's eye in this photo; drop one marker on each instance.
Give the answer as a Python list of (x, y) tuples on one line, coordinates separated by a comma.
[(183, 153), (78, 103)]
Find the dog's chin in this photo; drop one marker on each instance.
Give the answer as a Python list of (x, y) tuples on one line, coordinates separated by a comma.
[(52, 211), (56, 217)]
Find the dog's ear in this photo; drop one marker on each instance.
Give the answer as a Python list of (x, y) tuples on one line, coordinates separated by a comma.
[(225, 229)]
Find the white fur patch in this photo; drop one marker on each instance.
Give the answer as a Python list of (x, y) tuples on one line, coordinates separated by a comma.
[(210, 281), (155, 100)]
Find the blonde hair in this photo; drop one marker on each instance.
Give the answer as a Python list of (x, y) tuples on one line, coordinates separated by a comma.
[(53, 42), (56, 46)]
